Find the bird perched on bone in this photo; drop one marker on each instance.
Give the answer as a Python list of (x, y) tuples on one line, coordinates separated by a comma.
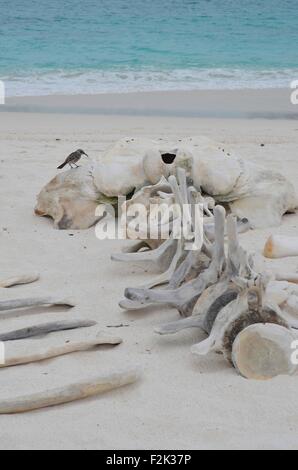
[(73, 159)]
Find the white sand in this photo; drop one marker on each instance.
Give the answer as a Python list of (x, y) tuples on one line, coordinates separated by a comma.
[(182, 401)]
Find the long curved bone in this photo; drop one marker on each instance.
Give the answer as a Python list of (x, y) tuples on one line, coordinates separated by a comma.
[(45, 328), (160, 258), (166, 276), (35, 302), (185, 296), (280, 246), (17, 280), (263, 351), (69, 393), (32, 350)]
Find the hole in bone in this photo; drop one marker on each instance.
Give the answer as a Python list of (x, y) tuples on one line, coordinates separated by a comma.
[(168, 158)]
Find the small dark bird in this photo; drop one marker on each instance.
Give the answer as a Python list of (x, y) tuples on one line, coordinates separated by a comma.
[(72, 159)]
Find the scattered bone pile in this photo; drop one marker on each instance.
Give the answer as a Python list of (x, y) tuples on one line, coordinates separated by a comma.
[(249, 316), (38, 342)]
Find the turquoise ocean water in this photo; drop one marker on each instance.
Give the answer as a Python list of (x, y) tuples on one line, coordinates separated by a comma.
[(97, 46)]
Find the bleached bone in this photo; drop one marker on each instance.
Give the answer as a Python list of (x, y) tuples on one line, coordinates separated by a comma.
[(134, 248), (45, 328), (181, 195), (148, 197), (127, 304), (32, 350), (218, 295), (185, 265), (68, 393), (281, 246), (178, 325), (287, 276), (179, 188), (260, 195), (6, 305), (160, 258), (143, 195), (167, 275), (195, 262), (289, 309), (243, 226), (279, 292), (292, 305), (263, 351), (185, 296), (247, 309), (17, 280)]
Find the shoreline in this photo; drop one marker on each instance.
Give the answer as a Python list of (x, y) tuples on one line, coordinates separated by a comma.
[(245, 103)]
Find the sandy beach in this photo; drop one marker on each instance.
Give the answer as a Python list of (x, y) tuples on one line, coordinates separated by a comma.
[(181, 401)]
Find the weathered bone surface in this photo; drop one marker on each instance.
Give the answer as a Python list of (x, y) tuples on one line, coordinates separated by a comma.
[(21, 279), (6, 305), (221, 293), (280, 246), (263, 351), (78, 335), (55, 344), (232, 319), (235, 310), (72, 392), (70, 199), (184, 297), (176, 263), (260, 195), (160, 258), (45, 328)]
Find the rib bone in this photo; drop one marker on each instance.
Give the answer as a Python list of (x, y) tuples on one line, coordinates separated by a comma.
[(45, 328), (34, 302), (185, 296), (160, 258), (32, 350), (68, 393)]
